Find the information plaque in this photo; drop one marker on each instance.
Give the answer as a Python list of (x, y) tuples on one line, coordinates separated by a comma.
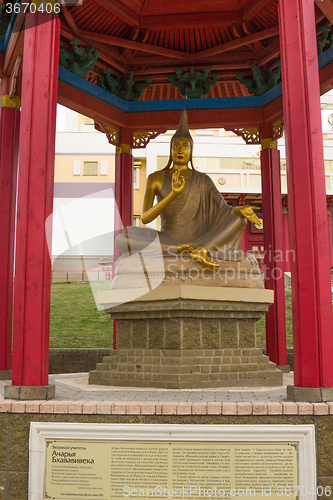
[(119, 469), (119, 461)]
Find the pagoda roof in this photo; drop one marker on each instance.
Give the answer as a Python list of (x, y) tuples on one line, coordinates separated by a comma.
[(157, 49), (154, 38)]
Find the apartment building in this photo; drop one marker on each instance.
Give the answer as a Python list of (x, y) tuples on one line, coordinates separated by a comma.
[(84, 187)]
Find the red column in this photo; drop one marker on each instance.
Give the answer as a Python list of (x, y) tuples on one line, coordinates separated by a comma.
[(123, 195), (288, 256), (311, 286), (329, 224), (35, 204), (276, 338), (9, 134)]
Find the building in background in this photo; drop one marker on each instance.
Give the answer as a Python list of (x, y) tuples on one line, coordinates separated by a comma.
[(84, 187)]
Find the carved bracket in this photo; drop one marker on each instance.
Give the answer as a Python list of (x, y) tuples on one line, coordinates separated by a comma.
[(141, 139), (262, 81), (193, 84), (80, 61), (126, 88), (278, 128), (324, 41), (250, 135), (111, 133)]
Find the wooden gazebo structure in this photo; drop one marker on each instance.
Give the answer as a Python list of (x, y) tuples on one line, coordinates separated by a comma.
[(132, 66)]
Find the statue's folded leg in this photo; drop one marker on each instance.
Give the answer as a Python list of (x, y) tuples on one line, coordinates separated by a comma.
[(200, 255), (182, 248)]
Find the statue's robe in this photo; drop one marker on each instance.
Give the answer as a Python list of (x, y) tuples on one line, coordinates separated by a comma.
[(200, 216)]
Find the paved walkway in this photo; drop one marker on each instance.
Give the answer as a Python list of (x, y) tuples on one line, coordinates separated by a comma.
[(74, 387), (75, 396)]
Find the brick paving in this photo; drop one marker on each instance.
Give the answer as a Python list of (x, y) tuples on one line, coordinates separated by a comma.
[(74, 387), (75, 396)]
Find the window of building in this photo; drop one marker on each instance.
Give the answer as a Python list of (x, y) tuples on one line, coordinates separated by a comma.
[(76, 167), (90, 168), (104, 167), (136, 175)]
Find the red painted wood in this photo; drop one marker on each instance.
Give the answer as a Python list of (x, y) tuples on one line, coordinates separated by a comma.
[(191, 20), (35, 200), (329, 224), (287, 254), (118, 227), (311, 286), (205, 118), (276, 340), (198, 118), (9, 135), (123, 194)]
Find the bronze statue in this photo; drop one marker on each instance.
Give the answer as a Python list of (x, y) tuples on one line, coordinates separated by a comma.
[(195, 218)]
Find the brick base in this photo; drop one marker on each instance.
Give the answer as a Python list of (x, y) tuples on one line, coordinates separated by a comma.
[(186, 369), (185, 337)]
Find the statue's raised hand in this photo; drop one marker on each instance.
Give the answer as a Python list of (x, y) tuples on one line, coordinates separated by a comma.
[(178, 182), (248, 213)]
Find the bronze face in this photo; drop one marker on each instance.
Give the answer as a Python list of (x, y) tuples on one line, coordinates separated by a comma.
[(181, 151)]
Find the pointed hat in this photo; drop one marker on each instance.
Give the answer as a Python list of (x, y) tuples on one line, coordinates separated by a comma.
[(183, 130)]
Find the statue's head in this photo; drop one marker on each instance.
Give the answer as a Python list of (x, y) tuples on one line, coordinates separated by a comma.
[(181, 140)]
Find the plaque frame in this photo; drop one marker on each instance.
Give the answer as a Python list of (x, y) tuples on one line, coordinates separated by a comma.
[(303, 435)]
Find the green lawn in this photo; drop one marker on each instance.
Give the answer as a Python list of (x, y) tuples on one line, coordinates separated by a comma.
[(260, 325), (76, 322)]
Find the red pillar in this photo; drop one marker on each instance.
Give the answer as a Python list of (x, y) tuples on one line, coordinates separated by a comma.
[(311, 286), (288, 256), (9, 134), (35, 204), (123, 195), (329, 224), (276, 338)]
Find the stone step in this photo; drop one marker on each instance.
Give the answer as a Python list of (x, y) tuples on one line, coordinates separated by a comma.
[(187, 381), (185, 352), (185, 369)]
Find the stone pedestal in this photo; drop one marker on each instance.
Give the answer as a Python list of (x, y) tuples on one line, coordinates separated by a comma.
[(185, 337)]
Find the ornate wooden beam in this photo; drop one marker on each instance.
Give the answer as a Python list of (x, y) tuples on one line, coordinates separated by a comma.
[(70, 21), (251, 57), (131, 44), (109, 56), (326, 6), (87, 105), (102, 112), (175, 54), (15, 43), (199, 118), (273, 111), (105, 50), (191, 20), (214, 67), (271, 52), (120, 10), (252, 8), (235, 44)]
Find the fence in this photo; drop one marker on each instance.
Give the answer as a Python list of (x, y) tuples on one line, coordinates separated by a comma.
[(61, 276)]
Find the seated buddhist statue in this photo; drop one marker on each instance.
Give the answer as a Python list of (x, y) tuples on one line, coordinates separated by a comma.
[(200, 238)]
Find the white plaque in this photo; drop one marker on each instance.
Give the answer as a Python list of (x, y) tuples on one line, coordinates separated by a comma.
[(120, 461)]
